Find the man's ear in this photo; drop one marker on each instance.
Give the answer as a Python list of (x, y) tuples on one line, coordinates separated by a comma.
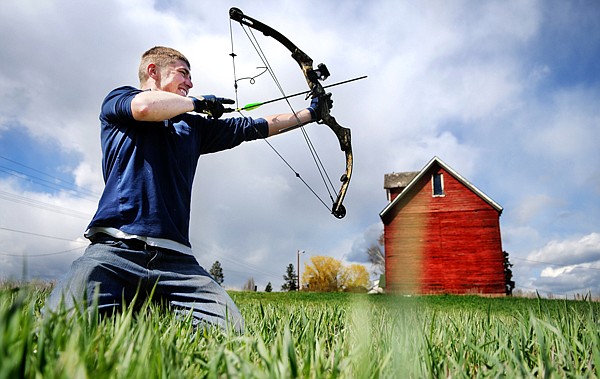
[(153, 71)]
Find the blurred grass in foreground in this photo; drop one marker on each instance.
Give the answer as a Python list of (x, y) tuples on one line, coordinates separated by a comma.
[(308, 335)]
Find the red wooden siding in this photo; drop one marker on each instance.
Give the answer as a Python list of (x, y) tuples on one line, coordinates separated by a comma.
[(446, 244)]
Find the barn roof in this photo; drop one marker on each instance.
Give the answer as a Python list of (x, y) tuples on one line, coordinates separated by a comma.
[(398, 179), (401, 177)]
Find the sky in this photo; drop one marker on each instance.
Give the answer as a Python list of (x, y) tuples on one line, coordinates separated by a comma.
[(504, 92)]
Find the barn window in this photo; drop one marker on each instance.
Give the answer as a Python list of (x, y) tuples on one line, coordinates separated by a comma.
[(437, 182)]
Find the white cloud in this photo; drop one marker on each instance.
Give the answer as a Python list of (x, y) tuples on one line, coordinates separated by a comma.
[(361, 244), (565, 267), (570, 251), (40, 234), (551, 272), (89, 176)]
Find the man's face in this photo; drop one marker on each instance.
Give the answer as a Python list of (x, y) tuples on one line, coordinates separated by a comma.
[(175, 78)]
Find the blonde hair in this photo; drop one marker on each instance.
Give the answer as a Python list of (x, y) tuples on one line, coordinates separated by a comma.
[(161, 56)]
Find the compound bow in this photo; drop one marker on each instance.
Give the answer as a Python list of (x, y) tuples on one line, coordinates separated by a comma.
[(313, 76)]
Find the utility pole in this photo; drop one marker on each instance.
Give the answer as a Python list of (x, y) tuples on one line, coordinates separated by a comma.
[(298, 268)]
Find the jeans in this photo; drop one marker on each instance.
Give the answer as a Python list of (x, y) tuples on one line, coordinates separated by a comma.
[(118, 270)]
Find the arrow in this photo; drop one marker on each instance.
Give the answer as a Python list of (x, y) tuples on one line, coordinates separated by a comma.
[(252, 106)]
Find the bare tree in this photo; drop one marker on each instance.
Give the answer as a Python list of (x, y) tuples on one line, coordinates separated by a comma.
[(376, 255), (250, 285)]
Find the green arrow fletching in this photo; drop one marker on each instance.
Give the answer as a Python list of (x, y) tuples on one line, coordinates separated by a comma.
[(251, 106)]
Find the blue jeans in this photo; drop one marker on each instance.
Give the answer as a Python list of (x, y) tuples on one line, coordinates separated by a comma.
[(119, 270)]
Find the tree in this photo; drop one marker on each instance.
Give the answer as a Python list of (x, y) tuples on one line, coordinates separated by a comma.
[(376, 255), (327, 274), (291, 279), (322, 274), (250, 285), (354, 278), (269, 287), (216, 271), (509, 283)]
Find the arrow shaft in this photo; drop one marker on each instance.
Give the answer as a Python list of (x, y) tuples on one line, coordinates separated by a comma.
[(256, 105)]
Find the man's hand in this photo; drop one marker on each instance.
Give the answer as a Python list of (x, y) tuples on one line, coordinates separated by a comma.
[(211, 105), (316, 106)]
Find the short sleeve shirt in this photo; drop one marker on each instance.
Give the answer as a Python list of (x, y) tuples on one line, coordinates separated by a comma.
[(149, 167)]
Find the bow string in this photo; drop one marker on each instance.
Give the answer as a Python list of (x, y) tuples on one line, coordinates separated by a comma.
[(313, 78)]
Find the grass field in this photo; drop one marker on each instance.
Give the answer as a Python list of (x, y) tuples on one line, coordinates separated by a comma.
[(309, 335)]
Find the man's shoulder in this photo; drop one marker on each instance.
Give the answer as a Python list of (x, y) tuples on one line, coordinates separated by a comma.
[(123, 90), (117, 104)]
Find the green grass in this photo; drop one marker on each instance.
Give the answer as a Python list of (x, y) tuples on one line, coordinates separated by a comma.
[(308, 335)]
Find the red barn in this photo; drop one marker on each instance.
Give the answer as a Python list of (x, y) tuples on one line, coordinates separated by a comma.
[(441, 233)]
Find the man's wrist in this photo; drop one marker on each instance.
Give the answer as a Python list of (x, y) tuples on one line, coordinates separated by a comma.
[(199, 105), (313, 113)]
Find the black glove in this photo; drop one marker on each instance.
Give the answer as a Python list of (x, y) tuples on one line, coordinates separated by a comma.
[(316, 106), (211, 105)]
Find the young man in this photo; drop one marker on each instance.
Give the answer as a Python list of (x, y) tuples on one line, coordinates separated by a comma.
[(140, 232)]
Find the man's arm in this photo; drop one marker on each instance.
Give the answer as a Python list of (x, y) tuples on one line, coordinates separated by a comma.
[(159, 105), (162, 105), (280, 123)]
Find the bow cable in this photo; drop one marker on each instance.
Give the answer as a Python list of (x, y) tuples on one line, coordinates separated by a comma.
[(318, 163)]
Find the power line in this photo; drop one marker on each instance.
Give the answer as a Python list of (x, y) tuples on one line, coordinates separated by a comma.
[(56, 183), (69, 183), (38, 235), (576, 265), (85, 194), (42, 205), (41, 254), (226, 270), (249, 267), (44, 236)]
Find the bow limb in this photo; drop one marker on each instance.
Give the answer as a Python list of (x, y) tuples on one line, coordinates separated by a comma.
[(343, 135), (312, 77)]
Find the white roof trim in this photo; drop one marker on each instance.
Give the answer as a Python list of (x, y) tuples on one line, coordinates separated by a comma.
[(455, 174)]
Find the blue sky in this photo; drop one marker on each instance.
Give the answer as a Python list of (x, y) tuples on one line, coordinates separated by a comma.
[(504, 92)]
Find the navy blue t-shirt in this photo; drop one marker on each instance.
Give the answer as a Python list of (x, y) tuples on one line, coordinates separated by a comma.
[(149, 167)]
